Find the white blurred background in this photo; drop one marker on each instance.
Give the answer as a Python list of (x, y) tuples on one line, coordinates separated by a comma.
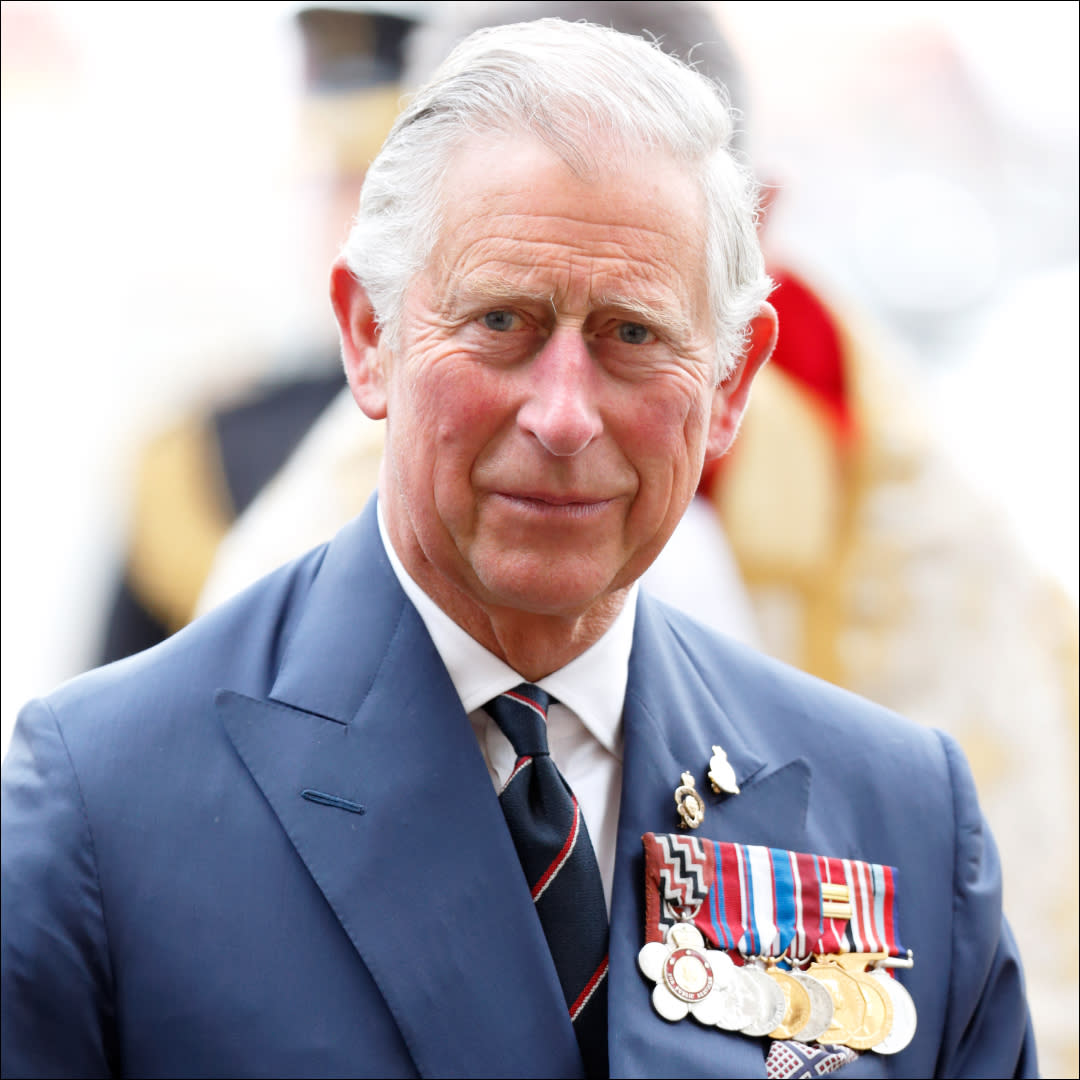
[(156, 247)]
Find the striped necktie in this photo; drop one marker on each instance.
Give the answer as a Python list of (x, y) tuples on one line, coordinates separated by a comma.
[(560, 866)]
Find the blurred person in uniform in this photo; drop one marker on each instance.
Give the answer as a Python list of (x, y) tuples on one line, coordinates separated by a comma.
[(834, 535), (195, 477)]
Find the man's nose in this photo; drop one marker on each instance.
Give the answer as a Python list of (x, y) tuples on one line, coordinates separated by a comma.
[(561, 410)]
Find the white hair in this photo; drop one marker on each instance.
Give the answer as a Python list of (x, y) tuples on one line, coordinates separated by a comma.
[(584, 91)]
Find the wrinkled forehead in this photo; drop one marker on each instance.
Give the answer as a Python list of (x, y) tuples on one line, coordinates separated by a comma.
[(518, 220)]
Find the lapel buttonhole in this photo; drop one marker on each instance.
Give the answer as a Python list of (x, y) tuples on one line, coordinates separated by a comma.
[(323, 799)]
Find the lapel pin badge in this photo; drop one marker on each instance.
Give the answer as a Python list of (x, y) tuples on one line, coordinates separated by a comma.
[(688, 802), (721, 774)]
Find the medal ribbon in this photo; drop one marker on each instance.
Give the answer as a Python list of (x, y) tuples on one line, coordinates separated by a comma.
[(808, 924), (727, 908), (752, 906), (785, 904), (762, 935), (831, 871), (890, 924), (886, 927), (872, 927), (679, 875), (751, 900), (855, 935)]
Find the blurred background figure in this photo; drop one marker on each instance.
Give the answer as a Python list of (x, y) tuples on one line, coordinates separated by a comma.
[(198, 475), (846, 532)]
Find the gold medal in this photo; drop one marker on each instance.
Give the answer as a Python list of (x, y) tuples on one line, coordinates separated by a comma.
[(849, 1005), (877, 1022), (796, 1003), (878, 1018)]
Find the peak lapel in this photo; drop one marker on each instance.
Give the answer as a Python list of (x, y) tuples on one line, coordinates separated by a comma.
[(672, 719), (424, 880)]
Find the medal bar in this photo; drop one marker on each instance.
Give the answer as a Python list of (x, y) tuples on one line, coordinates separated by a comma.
[(774, 943)]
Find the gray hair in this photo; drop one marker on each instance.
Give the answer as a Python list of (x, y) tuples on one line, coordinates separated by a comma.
[(684, 28), (584, 91)]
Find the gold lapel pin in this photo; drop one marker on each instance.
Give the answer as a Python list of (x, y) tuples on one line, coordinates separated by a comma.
[(689, 803), (721, 774)]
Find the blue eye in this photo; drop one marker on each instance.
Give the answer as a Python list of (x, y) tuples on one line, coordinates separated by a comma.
[(633, 333), (499, 320)]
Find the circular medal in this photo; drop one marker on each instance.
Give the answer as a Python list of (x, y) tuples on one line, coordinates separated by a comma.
[(771, 1003), (849, 1005), (877, 1021), (821, 1008), (738, 1002), (707, 1010), (796, 1004), (904, 1016), (688, 975), (723, 968), (651, 960)]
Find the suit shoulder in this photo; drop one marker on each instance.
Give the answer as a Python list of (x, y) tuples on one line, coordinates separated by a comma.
[(238, 645), (787, 704)]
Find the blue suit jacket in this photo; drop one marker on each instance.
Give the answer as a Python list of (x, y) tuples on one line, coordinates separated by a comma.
[(270, 846)]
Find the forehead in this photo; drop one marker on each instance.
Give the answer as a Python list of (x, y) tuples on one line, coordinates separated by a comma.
[(516, 219)]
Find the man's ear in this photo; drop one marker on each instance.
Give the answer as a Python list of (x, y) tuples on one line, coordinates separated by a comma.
[(360, 340), (732, 395)]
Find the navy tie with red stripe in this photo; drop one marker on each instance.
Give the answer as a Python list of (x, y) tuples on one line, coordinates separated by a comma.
[(560, 866)]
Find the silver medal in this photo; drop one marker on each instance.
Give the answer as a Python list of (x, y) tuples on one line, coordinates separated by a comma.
[(821, 1008), (772, 1005), (739, 1002), (904, 1015), (686, 973)]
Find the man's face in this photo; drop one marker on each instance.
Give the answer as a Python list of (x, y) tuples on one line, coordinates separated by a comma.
[(550, 392)]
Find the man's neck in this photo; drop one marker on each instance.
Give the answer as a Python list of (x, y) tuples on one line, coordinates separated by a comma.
[(534, 645)]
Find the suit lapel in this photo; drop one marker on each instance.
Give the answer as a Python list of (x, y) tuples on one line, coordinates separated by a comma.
[(400, 826), (671, 721)]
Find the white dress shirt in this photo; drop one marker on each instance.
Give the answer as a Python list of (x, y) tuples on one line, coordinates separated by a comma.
[(584, 727)]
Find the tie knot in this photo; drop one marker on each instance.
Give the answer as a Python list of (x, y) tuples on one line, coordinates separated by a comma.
[(521, 714)]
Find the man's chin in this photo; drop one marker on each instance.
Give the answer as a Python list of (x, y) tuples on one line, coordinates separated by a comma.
[(540, 589)]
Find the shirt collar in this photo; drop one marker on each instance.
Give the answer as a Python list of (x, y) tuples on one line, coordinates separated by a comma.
[(592, 685)]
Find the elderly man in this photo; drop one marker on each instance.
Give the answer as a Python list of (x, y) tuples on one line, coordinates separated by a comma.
[(373, 816)]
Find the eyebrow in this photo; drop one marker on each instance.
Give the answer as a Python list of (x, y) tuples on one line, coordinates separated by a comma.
[(661, 314), (657, 313)]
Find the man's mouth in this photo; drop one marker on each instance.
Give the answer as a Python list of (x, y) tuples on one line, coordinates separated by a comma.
[(556, 505)]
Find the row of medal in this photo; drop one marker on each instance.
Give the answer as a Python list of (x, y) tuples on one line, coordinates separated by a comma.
[(812, 938), (835, 1000)]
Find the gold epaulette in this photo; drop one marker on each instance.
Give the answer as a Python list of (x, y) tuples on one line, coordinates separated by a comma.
[(182, 511)]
